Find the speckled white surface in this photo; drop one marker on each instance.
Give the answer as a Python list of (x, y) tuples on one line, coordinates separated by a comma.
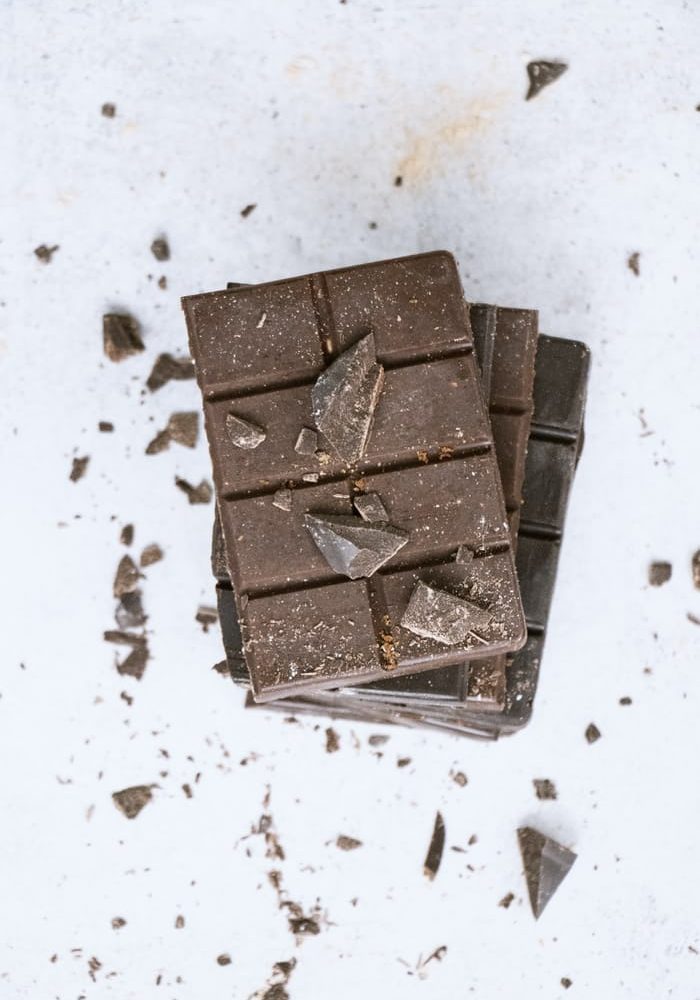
[(309, 110)]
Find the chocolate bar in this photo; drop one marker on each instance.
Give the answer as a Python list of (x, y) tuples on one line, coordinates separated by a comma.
[(557, 431), (377, 362), (505, 342)]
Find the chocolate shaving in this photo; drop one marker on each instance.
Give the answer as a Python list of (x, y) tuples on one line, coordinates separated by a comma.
[(135, 663), (167, 368), (592, 733), (437, 846), (123, 638), (131, 801), (351, 546), (546, 865), (507, 900), (245, 212), (151, 554), (659, 573), (78, 468), (183, 428), (541, 73), (243, 433), (195, 494), (126, 578), (160, 248), (120, 336), (129, 613), (439, 615)]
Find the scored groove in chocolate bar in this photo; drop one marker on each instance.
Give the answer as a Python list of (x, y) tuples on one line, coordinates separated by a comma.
[(429, 457)]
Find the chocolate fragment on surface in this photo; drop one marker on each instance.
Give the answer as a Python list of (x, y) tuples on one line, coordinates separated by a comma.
[(168, 368), (439, 615), (183, 428), (351, 546), (105, 427), (507, 900), (108, 110), (130, 613), (195, 494), (344, 398), (347, 843), (206, 616), (126, 578), (161, 442), (135, 663), (592, 733), (332, 741), (131, 801), (245, 212), (244, 433), (160, 248), (307, 442), (223, 959), (79, 468), (282, 499), (659, 573), (546, 865), (118, 922), (120, 336), (123, 638), (566, 982), (541, 73), (370, 507), (435, 849), (44, 253), (695, 569), (127, 534), (151, 554), (633, 263), (544, 788)]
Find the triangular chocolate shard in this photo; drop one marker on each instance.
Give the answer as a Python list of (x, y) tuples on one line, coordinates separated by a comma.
[(352, 546), (344, 398), (541, 73), (244, 433), (444, 617), (546, 865)]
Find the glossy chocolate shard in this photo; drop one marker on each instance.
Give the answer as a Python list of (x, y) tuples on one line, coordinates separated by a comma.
[(541, 73), (344, 398), (435, 848), (546, 864), (444, 617), (244, 433), (120, 336), (352, 546), (370, 507)]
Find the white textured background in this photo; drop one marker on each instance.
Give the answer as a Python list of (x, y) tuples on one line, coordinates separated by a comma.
[(309, 108)]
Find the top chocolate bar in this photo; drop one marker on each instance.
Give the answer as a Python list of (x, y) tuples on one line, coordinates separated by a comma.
[(357, 484)]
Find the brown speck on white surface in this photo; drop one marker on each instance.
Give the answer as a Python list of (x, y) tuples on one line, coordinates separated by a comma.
[(131, 801)]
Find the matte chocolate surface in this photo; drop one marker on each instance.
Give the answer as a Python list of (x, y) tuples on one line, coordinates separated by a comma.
[(395, 337)]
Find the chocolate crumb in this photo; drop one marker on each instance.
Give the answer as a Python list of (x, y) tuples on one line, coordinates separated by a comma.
[(459, 778), (184, 428), (695, 569), (179, 922), (160, 248), (126, 578), (78, 468), (245, 212), (118, 922), (398, 181), (592, 733), (223, 959), (541, 73), (659, 573), (131, 801), (692, 618), (187, 789), (151, 554), (507, 900), (109, 110), (44, 253), (626, 700), (120, 336), (162, 282), (127, 698), (347, 843), (377, 740), (127, 534), (566, 982), (123, 638), (130, 613), (105, 427), (206, 616), (332, 741), (168, 368), (544, 788), (403, 761), (195, 494), (633, 263), (135, 663), (435, 849), (222, 668)]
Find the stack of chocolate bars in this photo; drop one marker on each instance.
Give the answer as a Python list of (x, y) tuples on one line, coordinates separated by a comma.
[(392, 470)]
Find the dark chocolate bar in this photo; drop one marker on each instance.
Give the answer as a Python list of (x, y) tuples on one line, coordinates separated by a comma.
[(319, 390)]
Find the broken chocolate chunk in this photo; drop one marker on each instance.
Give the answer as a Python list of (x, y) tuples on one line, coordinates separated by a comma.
[(507, 900), (592, 732), (347, 843), (131, 801), (307, 442), (167, 368), (126, 578), (633, 263), (370, 507), (120, 336), (282, 499), (129, 613), (78, 468), (546, 864), (195, 494), (344, 398), (544, 788), (184, 428), (435, 849), (44, 253), (105, 427), (695, 569), (151, 554), (161, 442), (659, 573), (206, 616), (541, 73), (351, 546), (439, 615), (242, 433), (160, 248), (127, 534), (135, 663)]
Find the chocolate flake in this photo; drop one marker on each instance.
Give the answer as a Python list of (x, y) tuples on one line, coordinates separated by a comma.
[(507, 900), (344, 398), (206, 616), (179, 922), (127, 534), (332, 741), (592, 732), (459, 778), (243, 433), (439, 615), (151, 554), (377, 740), (347, 843), (245, 212), (105, 427), (108, 109), (370, 507), (695, 569), (161, 442), (625, 701), (129, 613), (437, 845), (195, 494), (351, 546), (223, 959), (282, 499), (166, 369), (120, 336), (118, 922), (541, 73), (633, 263), (544, 788), (78, 468), (546, 864), (162, 282), (44, 253), (160, 248), (310, 477), (464, 556), (659, 573), (566, 982), (126, 578), (184, 428), (131, 801), (307, 442), (135, 663), (123, 638)]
